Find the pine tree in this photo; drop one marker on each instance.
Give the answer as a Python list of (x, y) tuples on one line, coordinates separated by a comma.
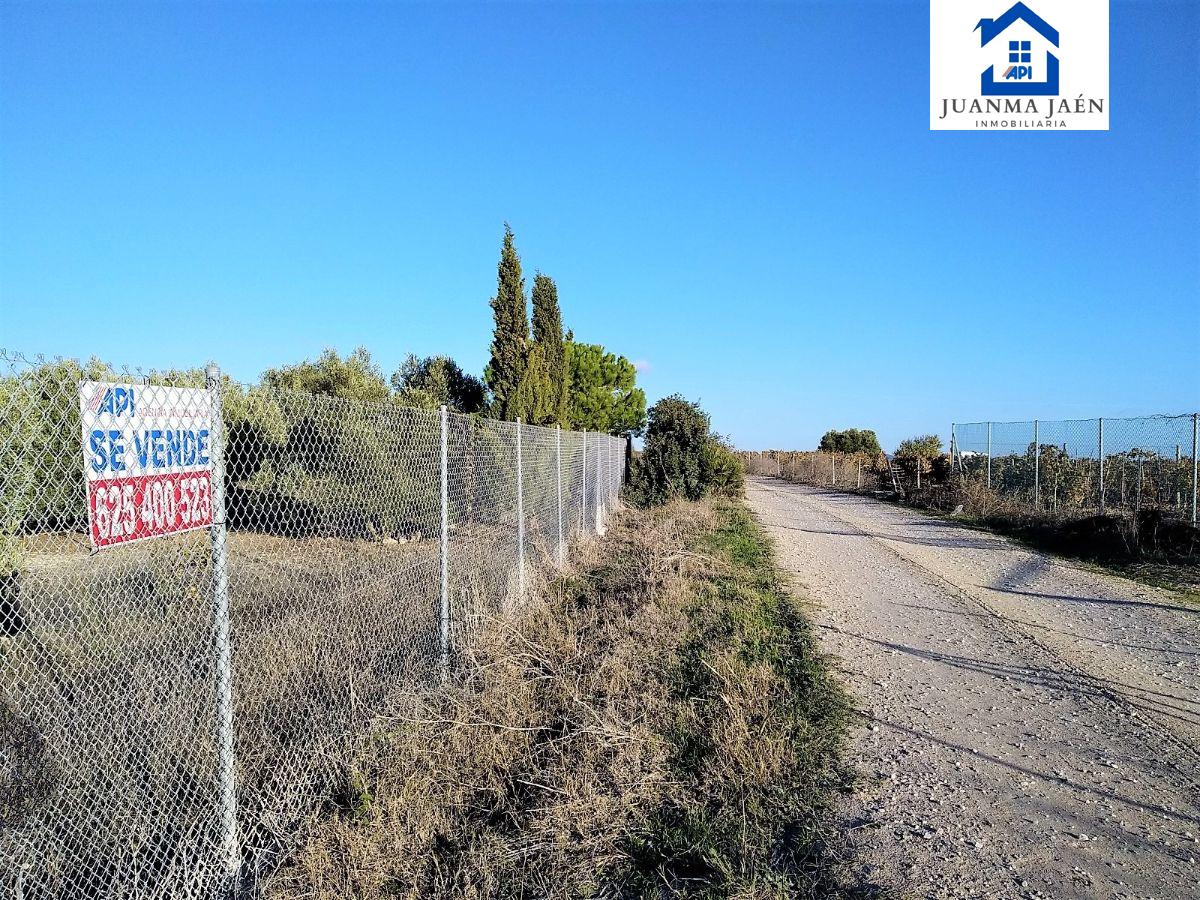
[(604, 396), (549, 385), (510, 339)]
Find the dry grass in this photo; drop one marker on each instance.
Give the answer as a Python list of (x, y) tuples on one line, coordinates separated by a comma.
[(112, 676), (658, 723)]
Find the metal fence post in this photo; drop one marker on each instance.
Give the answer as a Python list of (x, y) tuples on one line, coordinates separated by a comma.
[(954, 445), (1178, 492), (1037, 464), (558, 474), (1100, 452), (1195, 470), (598, 503), (989, 462), (602, 485), (833, 468), (226, 763), (614, 469), (584, 517), (612, 472), (444, 616), (607, 475), (614, 488), (520, 518), (611, 493)]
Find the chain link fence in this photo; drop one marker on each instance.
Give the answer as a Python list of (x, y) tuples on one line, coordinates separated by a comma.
[(1065, 468), (1048, 468), (174, 709), (844, 471)]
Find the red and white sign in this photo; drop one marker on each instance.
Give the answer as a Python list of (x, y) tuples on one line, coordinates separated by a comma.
[(147, 459)]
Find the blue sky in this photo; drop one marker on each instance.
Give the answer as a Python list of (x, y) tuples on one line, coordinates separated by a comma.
[(745, 197)]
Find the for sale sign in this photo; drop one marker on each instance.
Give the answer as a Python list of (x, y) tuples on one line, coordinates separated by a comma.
[(147, 458)]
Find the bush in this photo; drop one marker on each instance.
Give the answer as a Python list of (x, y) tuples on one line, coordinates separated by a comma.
[(852, 440), (925, 447), (683, 458), (41, 471), (438, 381), (722, 470)]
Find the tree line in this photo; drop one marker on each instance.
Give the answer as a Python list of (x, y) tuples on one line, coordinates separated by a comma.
[(294, 460), (540, 375), (547, 377), (299, 464)]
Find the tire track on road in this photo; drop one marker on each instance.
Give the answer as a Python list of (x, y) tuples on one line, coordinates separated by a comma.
[(1014, 631), (992, 762)]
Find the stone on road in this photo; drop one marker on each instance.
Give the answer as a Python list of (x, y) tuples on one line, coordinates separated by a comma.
[(1030, 728)]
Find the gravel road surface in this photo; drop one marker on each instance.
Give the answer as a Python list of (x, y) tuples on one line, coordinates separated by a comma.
[(1029, 728)]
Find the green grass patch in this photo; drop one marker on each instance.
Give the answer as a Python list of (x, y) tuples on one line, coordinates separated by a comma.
[(758, 726)]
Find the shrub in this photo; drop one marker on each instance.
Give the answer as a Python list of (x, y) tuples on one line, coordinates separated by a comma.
[(722, 470), (682, 458), (916, 457), (438, 381), (354, 378), (41, 471), (852, 440), (925, 447)]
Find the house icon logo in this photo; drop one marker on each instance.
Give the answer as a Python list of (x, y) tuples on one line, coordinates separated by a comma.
[(1011, 77), (1024, 45)]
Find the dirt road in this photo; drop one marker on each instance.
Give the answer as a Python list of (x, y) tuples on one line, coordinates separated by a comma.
[(1029, 728)]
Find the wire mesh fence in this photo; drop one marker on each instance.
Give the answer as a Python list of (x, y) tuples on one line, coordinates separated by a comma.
[(843, 471), (1065, 468), (201, 627), (1122, 467)]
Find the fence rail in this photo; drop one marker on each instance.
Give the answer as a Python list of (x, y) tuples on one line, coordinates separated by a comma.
[(174, 709), (1099, 465)]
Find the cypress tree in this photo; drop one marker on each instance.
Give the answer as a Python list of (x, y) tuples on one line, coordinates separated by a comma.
[(510, 338), (532, 401), (550, 385)]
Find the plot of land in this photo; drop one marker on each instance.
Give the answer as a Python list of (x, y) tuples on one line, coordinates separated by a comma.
[(1029, 728)]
